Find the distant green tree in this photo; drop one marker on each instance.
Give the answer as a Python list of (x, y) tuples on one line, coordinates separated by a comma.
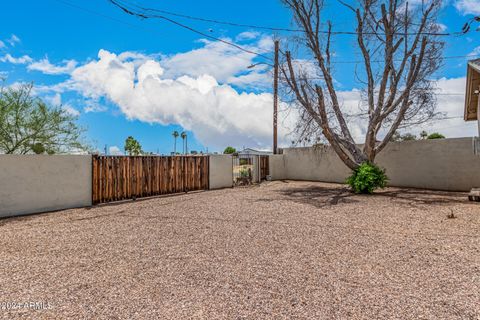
[(133, 147), (229, 150), (409, 137), (397, 137), (436, 135), (29, 125)]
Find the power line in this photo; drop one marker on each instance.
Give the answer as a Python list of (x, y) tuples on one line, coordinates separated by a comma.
[(149, 30), (242, 25), (126, 7), (214, 38), (98, 14), (227, 23), (449, 118), (127, 10), (397, 60), (165, 18)]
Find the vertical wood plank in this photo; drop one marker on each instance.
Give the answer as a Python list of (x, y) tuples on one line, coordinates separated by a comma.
[(117, 178)]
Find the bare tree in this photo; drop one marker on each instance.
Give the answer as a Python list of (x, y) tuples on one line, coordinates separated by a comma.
[(400, 50)]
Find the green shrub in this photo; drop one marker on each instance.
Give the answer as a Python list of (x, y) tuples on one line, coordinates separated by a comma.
[(244, 173), (367, 178), (436, 135), (38, 148), (245, 161)]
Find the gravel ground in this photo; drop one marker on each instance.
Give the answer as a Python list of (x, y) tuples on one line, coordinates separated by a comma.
[(278, 250)]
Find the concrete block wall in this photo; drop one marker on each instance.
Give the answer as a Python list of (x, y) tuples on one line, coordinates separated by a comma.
[(221, 173), (443, 164), (40, 183)]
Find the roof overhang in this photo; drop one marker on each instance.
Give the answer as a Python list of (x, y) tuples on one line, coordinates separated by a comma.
[(473, 84)]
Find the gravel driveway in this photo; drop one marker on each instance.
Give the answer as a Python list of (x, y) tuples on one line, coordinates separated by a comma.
[(279, 250)]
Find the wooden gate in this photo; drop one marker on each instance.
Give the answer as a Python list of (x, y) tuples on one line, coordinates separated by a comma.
[(264, 167), (117, 178), (248, 169)]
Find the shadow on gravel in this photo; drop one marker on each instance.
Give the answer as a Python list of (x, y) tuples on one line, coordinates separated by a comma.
[(321, 197), (427, 197)]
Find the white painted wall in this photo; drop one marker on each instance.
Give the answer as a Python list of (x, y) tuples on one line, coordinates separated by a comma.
[(442, 164), (39, 183), (315, 164), (256, 169), (221, 171), (277, 167)]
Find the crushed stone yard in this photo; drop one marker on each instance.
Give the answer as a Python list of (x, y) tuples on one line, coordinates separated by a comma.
[(278, 250)]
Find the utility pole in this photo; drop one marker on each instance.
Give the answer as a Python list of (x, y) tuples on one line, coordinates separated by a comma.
[(275, 97)]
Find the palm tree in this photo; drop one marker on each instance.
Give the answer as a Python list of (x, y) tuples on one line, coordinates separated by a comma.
[(175, 136), (184, 138)]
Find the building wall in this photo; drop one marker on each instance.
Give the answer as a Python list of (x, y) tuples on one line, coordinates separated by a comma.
[(39, 183), (316, 164), (277, 167), (221, 173), (255, 170), (443, 164)]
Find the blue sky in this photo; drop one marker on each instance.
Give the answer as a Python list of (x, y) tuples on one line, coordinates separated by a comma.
[(81, 54)]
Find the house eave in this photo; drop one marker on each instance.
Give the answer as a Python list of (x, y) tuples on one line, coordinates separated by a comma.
[(473, 83)]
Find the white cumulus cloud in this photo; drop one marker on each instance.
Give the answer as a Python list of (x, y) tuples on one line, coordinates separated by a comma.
[(468, 6), (20, 60), (13, 40), (115, 151), (46, 67), (56, 101), (247, 35), (206, 90), (216, 59), (218, 114), (450, 102), (475, 52)]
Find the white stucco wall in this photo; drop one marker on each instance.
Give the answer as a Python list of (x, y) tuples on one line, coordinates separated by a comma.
[(39, 183), (442, 164), (277, 167), (221, 173), (316, 164)]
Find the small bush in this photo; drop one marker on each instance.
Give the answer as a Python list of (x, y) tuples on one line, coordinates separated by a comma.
[(244, 173), (436, 135), (451, 215), (367, 178)]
